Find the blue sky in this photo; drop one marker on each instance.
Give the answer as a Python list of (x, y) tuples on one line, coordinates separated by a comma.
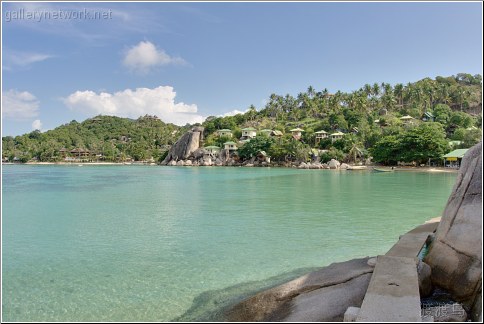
[(187, 61)]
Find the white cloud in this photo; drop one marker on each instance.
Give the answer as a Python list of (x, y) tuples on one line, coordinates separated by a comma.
[(19, 105), (145, 56), (37, 124), (159, 101), (233, 113), (13, 59)]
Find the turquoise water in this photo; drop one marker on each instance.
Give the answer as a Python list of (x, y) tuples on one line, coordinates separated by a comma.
[(141, 243)]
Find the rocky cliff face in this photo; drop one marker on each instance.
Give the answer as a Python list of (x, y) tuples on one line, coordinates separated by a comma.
[(185, 146), (455, 255)]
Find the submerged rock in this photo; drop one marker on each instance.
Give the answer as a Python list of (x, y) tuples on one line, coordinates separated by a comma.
[(455, 255)]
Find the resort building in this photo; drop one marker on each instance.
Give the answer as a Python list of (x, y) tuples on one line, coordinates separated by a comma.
[(63, 152), (277, 133), (231, 146), (407, 119), (248, 133), (454, 159), (297, 133), (212, 149), (224, 132), (336, 136), (320, 135), (79, 152), (428, 116), (267, 132)]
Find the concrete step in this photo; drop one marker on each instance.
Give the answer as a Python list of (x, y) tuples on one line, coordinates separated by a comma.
[(410, 244), (393, 294)]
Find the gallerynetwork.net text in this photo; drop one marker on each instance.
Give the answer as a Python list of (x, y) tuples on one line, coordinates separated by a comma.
[(40, 15)]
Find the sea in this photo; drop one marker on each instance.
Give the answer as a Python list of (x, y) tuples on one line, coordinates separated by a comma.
[(150, 243)]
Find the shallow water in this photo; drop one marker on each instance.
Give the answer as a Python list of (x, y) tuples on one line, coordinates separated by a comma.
[(141, 243)]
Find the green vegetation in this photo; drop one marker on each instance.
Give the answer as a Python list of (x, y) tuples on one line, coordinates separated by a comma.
[(106, 138), (370, 117)]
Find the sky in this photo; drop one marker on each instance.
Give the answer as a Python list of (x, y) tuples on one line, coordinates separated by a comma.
[(186, 61)]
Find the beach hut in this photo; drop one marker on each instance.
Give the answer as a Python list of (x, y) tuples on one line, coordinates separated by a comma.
[(248, 133), (320, 135), (428, 116), (224, 132), (277, 133), (231, 146), (453, 159), (336, 136), (267, 132), (297, 133), (407, 119)]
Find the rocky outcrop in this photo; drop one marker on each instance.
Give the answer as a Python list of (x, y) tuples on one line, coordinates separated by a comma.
[(334, 164), (455, 255), (185, 146), (323, 295)]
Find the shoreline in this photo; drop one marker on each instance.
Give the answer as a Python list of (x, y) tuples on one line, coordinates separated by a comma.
[(368, 168)]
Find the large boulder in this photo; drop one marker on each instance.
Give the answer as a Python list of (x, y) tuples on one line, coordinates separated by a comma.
[(185, 146), (323, 295), (333, 164), (455, 255)]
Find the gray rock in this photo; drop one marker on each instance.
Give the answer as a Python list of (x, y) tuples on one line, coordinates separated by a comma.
[(424, 280), (180, 163), (185, 146), (455, 255), (302, 165), (371, 262), (445, 313), (351, 314), (172, 163), (323, 295), (334, 164), (188, 163), (344, 166)]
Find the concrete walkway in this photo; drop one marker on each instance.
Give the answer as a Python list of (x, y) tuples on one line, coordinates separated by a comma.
[(392, 295), (410, 244)]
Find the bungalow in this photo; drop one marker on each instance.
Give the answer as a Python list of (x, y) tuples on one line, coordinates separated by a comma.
[(320, 135), (296, 133), (267, 132), (248, 133), (224, 132), (277, 133), (231, 146), (407, 119), (428, 116), (63, 152), (79, 152), (336, 136), (212, 149), (454, 159)]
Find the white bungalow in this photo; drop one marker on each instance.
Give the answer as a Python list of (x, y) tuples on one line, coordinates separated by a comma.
[(407, 119), (321, 135), (336, 136), (296, 133), (224, 132), (249, 133), (231, 146)]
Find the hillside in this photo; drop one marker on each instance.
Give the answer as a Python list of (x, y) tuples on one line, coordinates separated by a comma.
[(370, 118), (107, 138)]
